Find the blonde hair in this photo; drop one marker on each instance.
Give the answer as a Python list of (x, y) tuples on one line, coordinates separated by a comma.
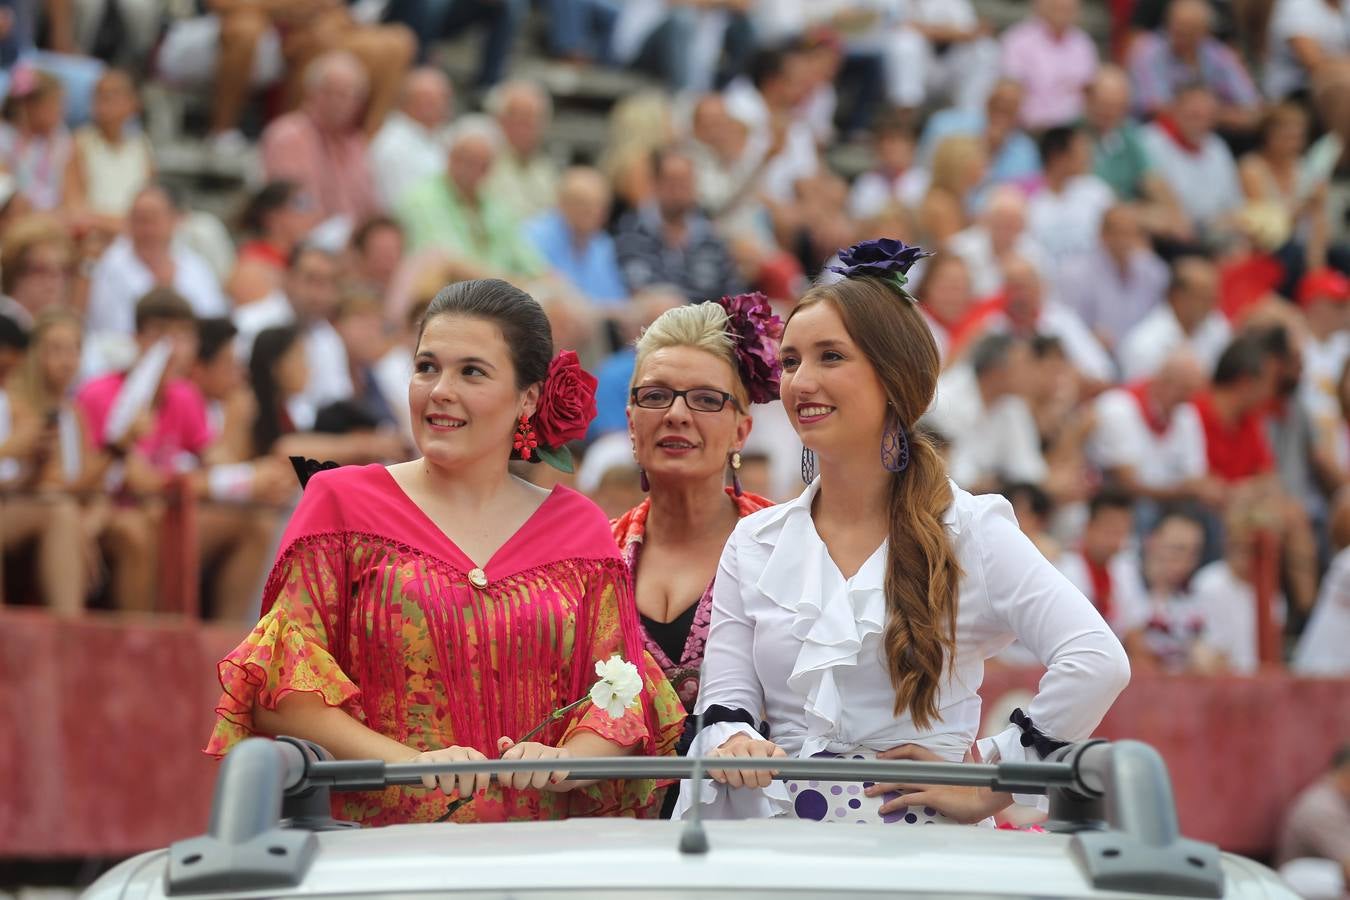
[(702, 326), (30, 386), (952, 161), (644, 118)]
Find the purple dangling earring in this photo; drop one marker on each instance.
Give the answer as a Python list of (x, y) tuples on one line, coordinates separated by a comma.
[(808, 465), (894, 446), (736, 473), (642, 480)]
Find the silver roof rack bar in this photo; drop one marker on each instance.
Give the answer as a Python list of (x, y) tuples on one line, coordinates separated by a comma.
[(1116, 799)]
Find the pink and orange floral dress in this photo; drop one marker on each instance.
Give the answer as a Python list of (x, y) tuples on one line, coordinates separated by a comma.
[(374, 609)]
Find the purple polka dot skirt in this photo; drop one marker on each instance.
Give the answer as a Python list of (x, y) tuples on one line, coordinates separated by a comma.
[(841, 801)]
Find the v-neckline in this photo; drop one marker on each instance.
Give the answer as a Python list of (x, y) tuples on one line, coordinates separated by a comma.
[(463, 558), (848, 579), (834, 564)]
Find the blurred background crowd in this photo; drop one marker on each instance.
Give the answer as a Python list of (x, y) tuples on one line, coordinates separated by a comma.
[(221, 219)]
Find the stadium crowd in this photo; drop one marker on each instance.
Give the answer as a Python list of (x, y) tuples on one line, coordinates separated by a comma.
[(1140, 287)]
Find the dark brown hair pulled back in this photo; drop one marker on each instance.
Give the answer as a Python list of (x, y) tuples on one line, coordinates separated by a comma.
[(922, 573), (523, 323)]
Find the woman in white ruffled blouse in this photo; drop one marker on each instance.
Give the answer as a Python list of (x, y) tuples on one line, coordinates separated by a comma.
[(856, 620)]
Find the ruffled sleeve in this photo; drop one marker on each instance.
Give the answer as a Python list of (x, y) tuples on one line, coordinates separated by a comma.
[(295, 647), (652, 727)]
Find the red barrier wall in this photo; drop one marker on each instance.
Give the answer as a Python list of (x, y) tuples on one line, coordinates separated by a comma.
[(102, 723)]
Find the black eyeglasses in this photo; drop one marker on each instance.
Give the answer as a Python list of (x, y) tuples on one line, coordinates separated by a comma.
[(697, 399)]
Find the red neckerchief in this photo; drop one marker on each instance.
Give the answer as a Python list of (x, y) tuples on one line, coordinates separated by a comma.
[(1172, 130), (1139, 391), (1276, 407), (944, 323), (972, 324), (1100, 573)]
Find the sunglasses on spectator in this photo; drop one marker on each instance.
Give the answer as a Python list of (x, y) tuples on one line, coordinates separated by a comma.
[(697, 399)]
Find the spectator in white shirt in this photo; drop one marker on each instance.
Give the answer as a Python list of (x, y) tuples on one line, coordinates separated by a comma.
[(1028, 312), (1225, 590), (943, 54), (380, 366), (893, 177), (1104, 567), (1322, 648), (981, 414), (1148, 438), (1190, 318), (310, 301), (1065, 215), (1303, 36), (1121, 160), (769, 101), (998, 235), (276, 219), (146, 257), (414, 140), (525, 178), (1195, 162), (727, 173), (682, 42), (1118, 282), (374, 258), (872, 30), (1062, 423), (1324, 298), (1175, 635)]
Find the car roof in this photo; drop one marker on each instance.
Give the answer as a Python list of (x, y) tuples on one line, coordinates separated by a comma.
[(641, 858)]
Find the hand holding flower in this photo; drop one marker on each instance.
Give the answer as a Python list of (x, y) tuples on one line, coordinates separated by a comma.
[(615, 692)]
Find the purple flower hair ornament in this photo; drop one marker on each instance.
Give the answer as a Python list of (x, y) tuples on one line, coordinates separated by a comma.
[(885, 258), (755, 330)]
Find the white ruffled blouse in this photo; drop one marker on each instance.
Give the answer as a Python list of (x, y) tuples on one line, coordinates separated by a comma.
[(796, 644)]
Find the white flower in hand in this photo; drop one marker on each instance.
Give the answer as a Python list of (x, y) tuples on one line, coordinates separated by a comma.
[(618, 687), (616, 690)]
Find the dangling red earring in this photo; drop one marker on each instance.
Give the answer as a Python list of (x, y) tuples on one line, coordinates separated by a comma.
[(525, 441)]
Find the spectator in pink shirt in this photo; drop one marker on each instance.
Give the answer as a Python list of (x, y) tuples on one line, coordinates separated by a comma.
[(322, 146), (173, 428), (1054, 60), (166, 436)]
